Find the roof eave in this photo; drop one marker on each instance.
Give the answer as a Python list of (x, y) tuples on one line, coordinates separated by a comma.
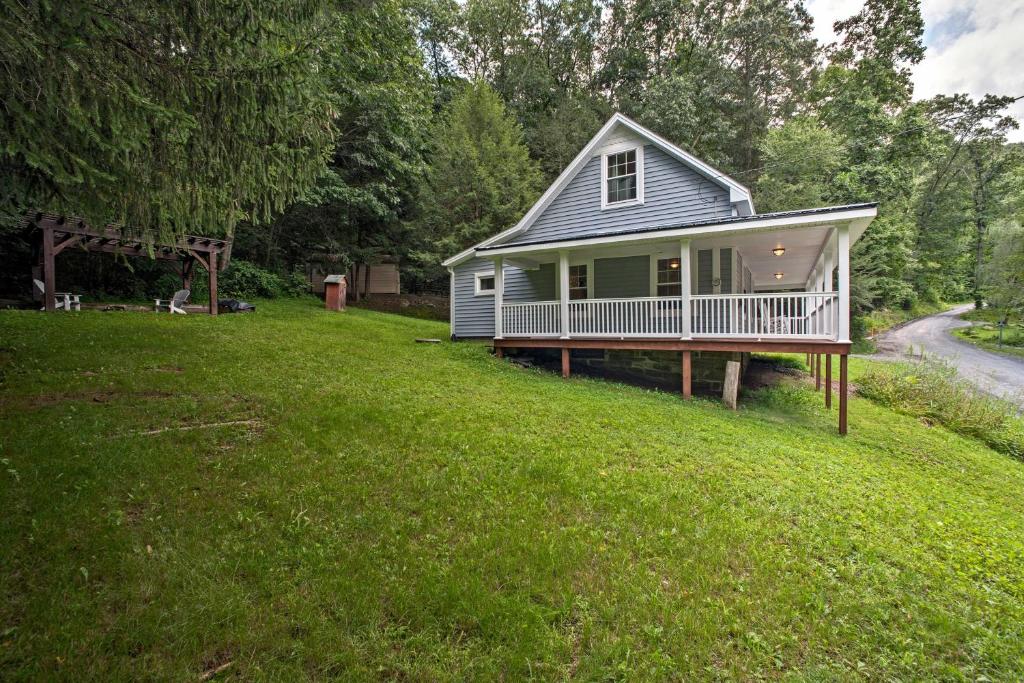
[(857, 217)]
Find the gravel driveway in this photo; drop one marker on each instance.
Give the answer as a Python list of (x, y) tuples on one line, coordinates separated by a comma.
[(995, 373)]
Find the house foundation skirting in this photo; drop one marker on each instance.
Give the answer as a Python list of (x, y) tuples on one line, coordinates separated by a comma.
[(689, 365)]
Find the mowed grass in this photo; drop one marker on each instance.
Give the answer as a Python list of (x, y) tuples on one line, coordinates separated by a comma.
[(370, 508)]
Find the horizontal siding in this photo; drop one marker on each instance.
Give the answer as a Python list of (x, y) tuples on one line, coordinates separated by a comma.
[(673, 193), (530, 285), (474, 315), (628, 276)]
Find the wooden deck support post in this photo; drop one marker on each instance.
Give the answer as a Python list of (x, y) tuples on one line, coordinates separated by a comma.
[(565, 362), (499, 352), (213, 283), (828, 381), (687, 374), (842, 393), (49, 277), (817, 372)]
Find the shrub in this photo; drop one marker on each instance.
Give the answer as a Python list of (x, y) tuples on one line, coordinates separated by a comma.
[(931, 390), (244, 280)]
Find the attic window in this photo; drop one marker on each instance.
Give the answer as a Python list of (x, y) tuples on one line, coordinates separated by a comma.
[(622, 174)]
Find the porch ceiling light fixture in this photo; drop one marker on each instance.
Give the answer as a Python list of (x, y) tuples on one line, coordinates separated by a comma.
[(779, 251), (778, 276), (673, 264)]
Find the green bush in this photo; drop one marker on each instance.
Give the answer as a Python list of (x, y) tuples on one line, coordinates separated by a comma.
[(931, 390), (244, 280)]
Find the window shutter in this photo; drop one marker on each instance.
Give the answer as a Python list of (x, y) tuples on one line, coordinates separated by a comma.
[(725, 270), (705, 274)]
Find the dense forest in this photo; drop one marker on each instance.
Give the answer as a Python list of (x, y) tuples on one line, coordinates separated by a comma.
[(416, 128)]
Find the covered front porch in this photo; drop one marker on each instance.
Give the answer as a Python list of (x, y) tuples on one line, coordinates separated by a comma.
[(782, 284)]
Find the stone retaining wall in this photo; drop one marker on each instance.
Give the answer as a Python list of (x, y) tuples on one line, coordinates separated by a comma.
[(658, 369)]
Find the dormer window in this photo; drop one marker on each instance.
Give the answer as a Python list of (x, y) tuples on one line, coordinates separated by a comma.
[(622, 177)]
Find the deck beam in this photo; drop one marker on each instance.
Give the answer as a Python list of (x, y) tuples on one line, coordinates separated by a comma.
[(639, 344)]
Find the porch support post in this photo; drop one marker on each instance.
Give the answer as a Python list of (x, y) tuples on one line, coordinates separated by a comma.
[(687, 374), (684, 291), (843, 246), (817, 372), (49, 277), (842, 394), (499, 294), (565, 361), (829, 266), (828, 381), (563, 291)]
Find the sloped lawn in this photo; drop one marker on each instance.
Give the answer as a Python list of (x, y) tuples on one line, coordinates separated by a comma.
[(299, 494)]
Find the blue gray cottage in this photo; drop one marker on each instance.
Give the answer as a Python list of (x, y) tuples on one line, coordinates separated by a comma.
[(641, 254)]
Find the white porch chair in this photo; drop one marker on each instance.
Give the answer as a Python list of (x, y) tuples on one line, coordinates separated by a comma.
[(175, 304), (778, 324), (64, 301)]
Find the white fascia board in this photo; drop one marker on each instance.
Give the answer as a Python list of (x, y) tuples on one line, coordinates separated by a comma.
[(856, 217), (545, 199), (738, 194)]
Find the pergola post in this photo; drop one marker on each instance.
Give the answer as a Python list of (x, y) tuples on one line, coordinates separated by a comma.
[(213, 283), (186, 272), (49, 277)]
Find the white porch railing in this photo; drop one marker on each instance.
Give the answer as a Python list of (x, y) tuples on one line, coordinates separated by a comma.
[(640, 317), (532, 319), (795, 314), (742, 316)]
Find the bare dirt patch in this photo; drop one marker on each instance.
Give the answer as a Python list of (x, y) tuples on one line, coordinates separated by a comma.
[(104, 396)]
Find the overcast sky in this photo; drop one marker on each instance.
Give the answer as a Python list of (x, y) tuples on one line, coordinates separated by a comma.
[(976, 47)]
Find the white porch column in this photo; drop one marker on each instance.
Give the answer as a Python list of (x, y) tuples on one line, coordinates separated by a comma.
[(563, 291), (499, 293), (684, 289), (843, 249), (829, 265)]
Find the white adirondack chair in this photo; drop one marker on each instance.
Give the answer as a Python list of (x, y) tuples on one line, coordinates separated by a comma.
[(175, 304), (779, 324), (64, 301)]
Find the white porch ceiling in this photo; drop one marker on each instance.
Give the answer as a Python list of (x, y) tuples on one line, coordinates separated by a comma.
[(802, 245)]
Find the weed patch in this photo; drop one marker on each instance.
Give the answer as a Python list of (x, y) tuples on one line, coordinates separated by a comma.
[(931, 391)]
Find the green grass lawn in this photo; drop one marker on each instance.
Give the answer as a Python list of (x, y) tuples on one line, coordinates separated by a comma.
[(374, 508), (985, 333)]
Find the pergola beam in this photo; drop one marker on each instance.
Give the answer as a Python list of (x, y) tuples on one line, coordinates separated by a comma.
[(61, 232)]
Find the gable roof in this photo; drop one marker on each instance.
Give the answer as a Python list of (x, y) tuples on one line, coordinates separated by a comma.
[(739, 195)]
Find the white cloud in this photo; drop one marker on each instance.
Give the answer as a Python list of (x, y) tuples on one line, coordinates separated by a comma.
[(973, 47)]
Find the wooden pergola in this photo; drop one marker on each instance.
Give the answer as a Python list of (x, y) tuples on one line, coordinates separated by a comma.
[(61, 232)]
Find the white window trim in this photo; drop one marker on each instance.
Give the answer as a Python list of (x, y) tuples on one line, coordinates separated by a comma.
[(589, 263), (476, 283), (653, 269), (618, 149)]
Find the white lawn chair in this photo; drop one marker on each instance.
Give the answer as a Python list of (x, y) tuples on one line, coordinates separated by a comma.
[(773, 324), (63, 301), (175, 304)]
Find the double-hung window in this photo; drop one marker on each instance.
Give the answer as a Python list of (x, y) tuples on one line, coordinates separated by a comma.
[(669, 282), (578, 282), (623, 177)]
